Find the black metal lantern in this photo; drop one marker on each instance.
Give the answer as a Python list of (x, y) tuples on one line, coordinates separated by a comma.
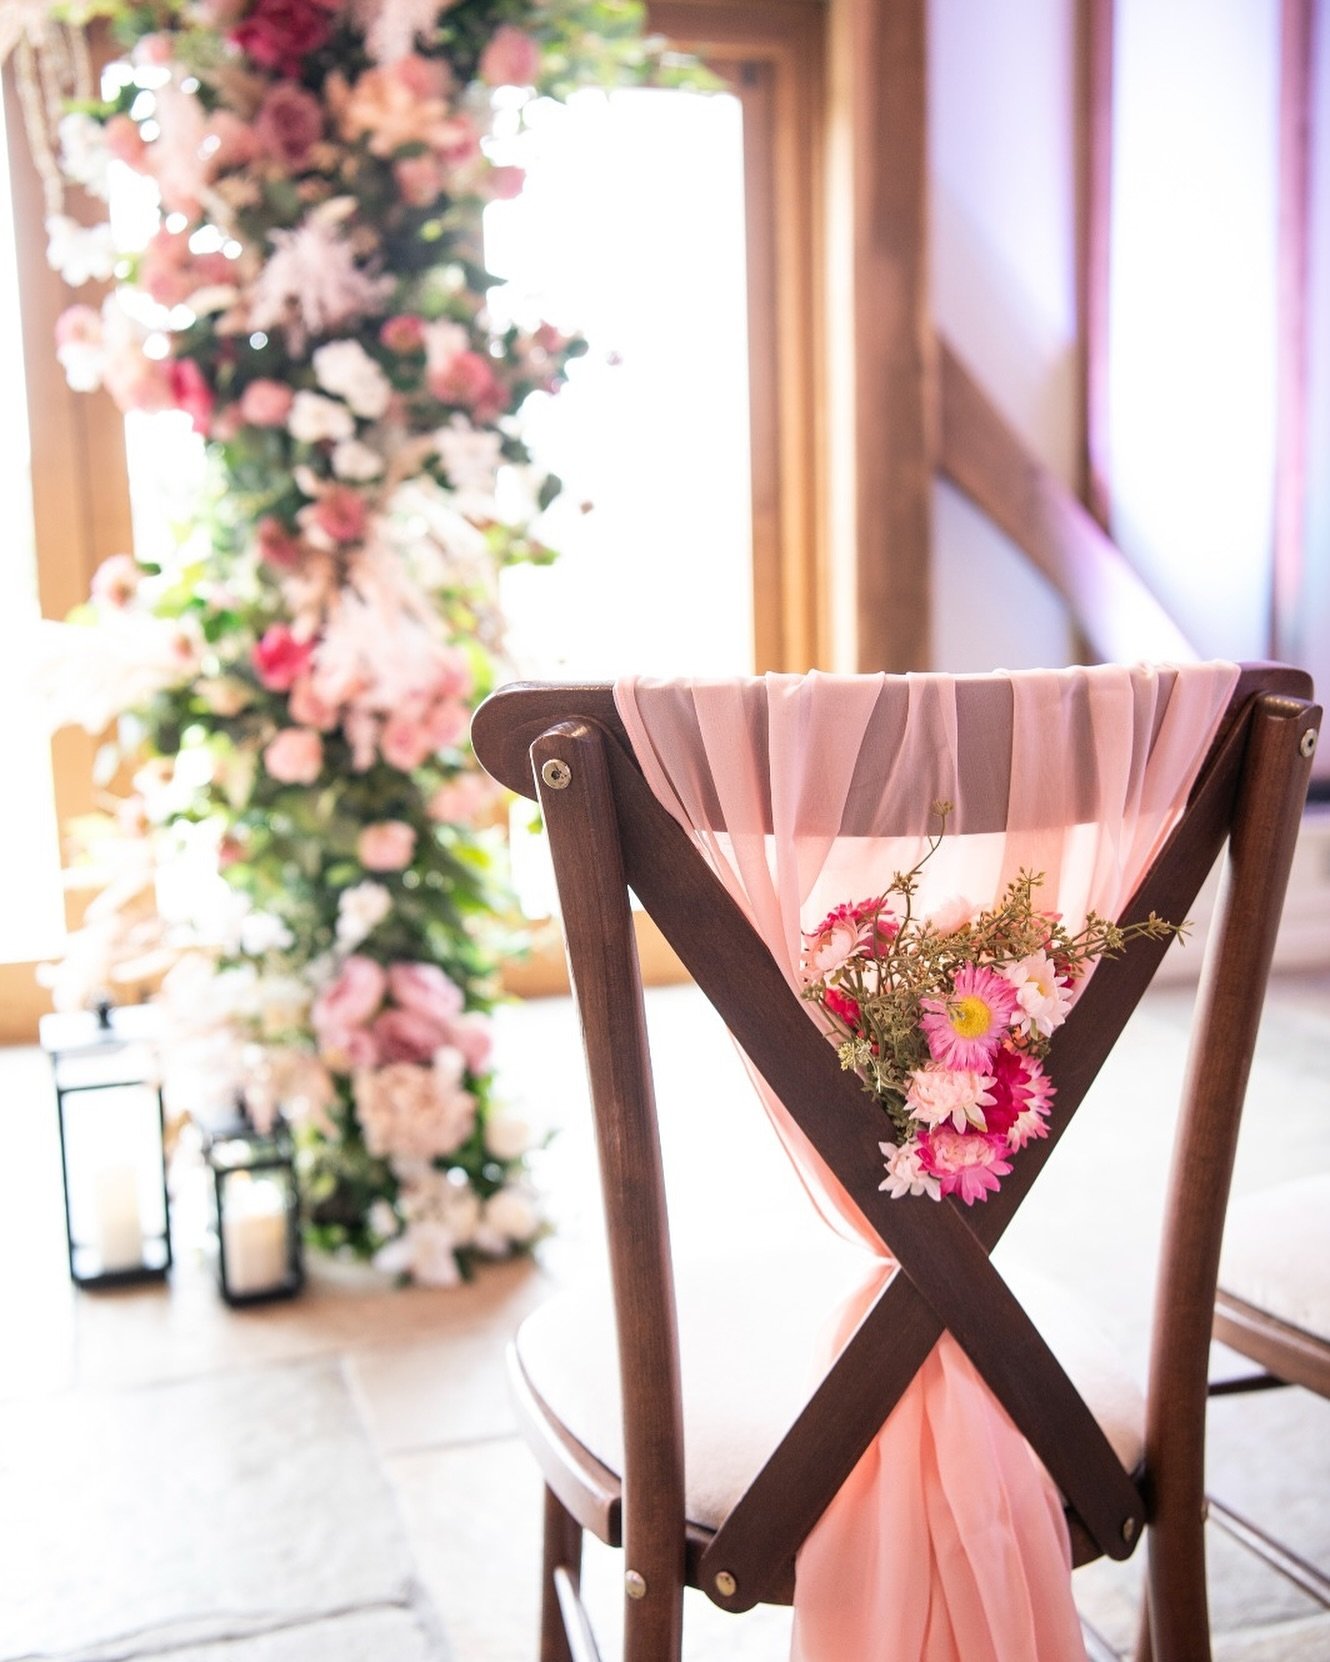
[(259, 1254), (112, 1143)]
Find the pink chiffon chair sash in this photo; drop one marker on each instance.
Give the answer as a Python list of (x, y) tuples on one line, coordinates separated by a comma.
[(947, 1543)]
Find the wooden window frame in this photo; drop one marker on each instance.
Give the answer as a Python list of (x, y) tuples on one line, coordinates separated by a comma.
[(80, 496)]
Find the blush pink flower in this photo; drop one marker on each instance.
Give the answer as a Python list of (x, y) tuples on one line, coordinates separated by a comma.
[(964, 1029), (387, 845), (266, 403), (275, 546), (1044, 998), (462, 800), (512, 58), (308, 708), (352, 997), (833, 943), (426, 990), (467, 380), (279, 658), (171, 272), (965, 1163), (406, 741), (339, 516), (403, 333), (289, 123), (959, 1095), (412, 1112), (294, 756), (405, 1036)]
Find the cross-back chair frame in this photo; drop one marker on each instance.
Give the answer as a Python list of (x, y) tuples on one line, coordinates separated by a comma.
[(566, 747)]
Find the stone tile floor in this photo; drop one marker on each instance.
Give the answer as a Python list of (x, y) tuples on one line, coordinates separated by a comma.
[(338, 1478)]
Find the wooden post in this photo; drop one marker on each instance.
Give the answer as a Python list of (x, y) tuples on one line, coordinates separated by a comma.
[(881, 349), (1298, 22)]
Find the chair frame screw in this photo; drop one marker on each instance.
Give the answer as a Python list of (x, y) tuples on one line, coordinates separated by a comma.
[(1129, 1530), (557, 774), (1308, 742), (634, 1583), (726, 1585)]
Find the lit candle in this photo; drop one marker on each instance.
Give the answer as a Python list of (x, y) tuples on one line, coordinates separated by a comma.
[(254, 1238), (117, 1227)]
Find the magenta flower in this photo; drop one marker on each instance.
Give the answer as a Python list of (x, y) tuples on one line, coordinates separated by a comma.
[(963, 1029), (965, 1163)]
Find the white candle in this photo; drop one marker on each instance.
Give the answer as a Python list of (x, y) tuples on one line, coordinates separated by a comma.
[(254, 1235), (117, 1226)]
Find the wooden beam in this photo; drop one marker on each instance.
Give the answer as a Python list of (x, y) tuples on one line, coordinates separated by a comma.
[(881, 348), (981, 454), (1095, 162), (1297, 29)]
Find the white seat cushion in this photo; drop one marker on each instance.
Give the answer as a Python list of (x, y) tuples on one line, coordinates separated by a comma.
[(1276, 1252), (748, 1329)]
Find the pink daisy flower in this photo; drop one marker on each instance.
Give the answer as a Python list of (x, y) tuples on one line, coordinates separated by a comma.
[(1038, 1094), (963, 1029), (965, 1163)]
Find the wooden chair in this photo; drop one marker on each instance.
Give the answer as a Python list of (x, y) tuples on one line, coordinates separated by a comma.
[(566, 747), (1273, 1306)]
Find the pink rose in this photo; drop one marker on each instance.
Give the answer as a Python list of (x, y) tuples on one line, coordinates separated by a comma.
[(512, 59), (446, 723), (387, 845), (467, 379), (280, 659), (266, 403), (337, 517), (425, 990), (352, 997), (406, 741), (404, 1036), (309, 709), (78, 326), (279, 33), (189, 391), (403, 333), (275, 546), (295, 756), (462, 800), (289, 123)]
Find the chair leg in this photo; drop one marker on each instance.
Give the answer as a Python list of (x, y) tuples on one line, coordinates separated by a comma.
[(563, 1550), (1175, 1617)]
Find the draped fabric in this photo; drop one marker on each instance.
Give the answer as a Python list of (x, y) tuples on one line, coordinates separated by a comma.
[(947, 1543)]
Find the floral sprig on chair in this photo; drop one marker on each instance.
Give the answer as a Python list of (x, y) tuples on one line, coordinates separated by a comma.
[(947, 1019)]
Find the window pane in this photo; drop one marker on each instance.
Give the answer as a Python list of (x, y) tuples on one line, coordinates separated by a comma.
[(631, 229), (32, 919)]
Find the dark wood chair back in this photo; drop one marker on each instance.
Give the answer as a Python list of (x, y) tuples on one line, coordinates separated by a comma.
[(566, 747)]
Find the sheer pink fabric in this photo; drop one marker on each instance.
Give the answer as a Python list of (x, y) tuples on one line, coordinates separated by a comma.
[(947, 1543)]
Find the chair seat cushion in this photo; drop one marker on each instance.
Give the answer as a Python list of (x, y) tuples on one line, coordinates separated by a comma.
[(748, 1331), (1276, 1248)]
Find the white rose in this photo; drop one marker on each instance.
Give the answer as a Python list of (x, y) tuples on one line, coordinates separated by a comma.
[(356, 462), (359, 911), (314, 418), (345, 369), (471, 460), (83, 154), (262, 932), (81, 254), (507, 1136), (513, 1214)]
